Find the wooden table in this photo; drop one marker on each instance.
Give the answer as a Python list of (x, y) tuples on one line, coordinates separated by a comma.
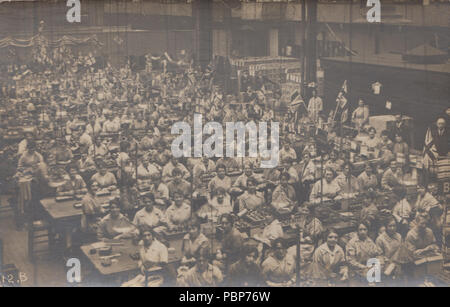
[(120, 265), (64, 211), (64, 217), (123, 267)]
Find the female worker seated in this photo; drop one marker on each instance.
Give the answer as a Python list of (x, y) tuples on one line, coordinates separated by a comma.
[(420, 240), (61, 152), (400, 146), (92, 210), (360, 249), (389, 242), (178, 214), (123, 159), (348, 184), (220, 180), (115, 225), (392, 177), (202, 274), (103, 178), (368, 180), (215, 207), (178, 184), (426, 202), (193, 241), (149, 215), (251, 199), (145, 171), (240, 185), (329, 263), (278, 268), (153, 260), (86, 163), (246, 272), (310, 225), (385, 142), (325, 188), (232, 242), (373, 142), (159, 189), (74, 184), (334, 162), (169, 167), (98, 149), (284, 197), (200, 167), (402, 211)]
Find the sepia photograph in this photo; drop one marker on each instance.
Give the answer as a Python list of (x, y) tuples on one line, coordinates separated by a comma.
[(245, 144)]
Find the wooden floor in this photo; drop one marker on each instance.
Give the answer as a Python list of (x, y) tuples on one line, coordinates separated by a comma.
[(45, 271)]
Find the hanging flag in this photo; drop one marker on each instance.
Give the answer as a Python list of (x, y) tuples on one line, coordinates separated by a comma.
[(296, 99), (376, 88), (388, 105), (344, 88), (429, 150), (343, 108)]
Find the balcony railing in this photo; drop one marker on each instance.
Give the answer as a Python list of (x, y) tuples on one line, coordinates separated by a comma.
[(279, 10), (392, 12), (413, 12), (165, 8)]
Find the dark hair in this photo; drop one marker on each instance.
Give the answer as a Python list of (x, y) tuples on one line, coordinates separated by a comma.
[(330, 170), (328, 231), (251, 180), (286, 175), (248, 249), (221, 190), (194, 221), (144, 228), (177, 193), (389, 220), (227, 216), (349, 165), (363, 222), (114, 202), (221, 165), (70, 167), (101, 164), (385, 132), (369, 165), (31, 144), (278, 241), (176, 171), (150, 196)]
